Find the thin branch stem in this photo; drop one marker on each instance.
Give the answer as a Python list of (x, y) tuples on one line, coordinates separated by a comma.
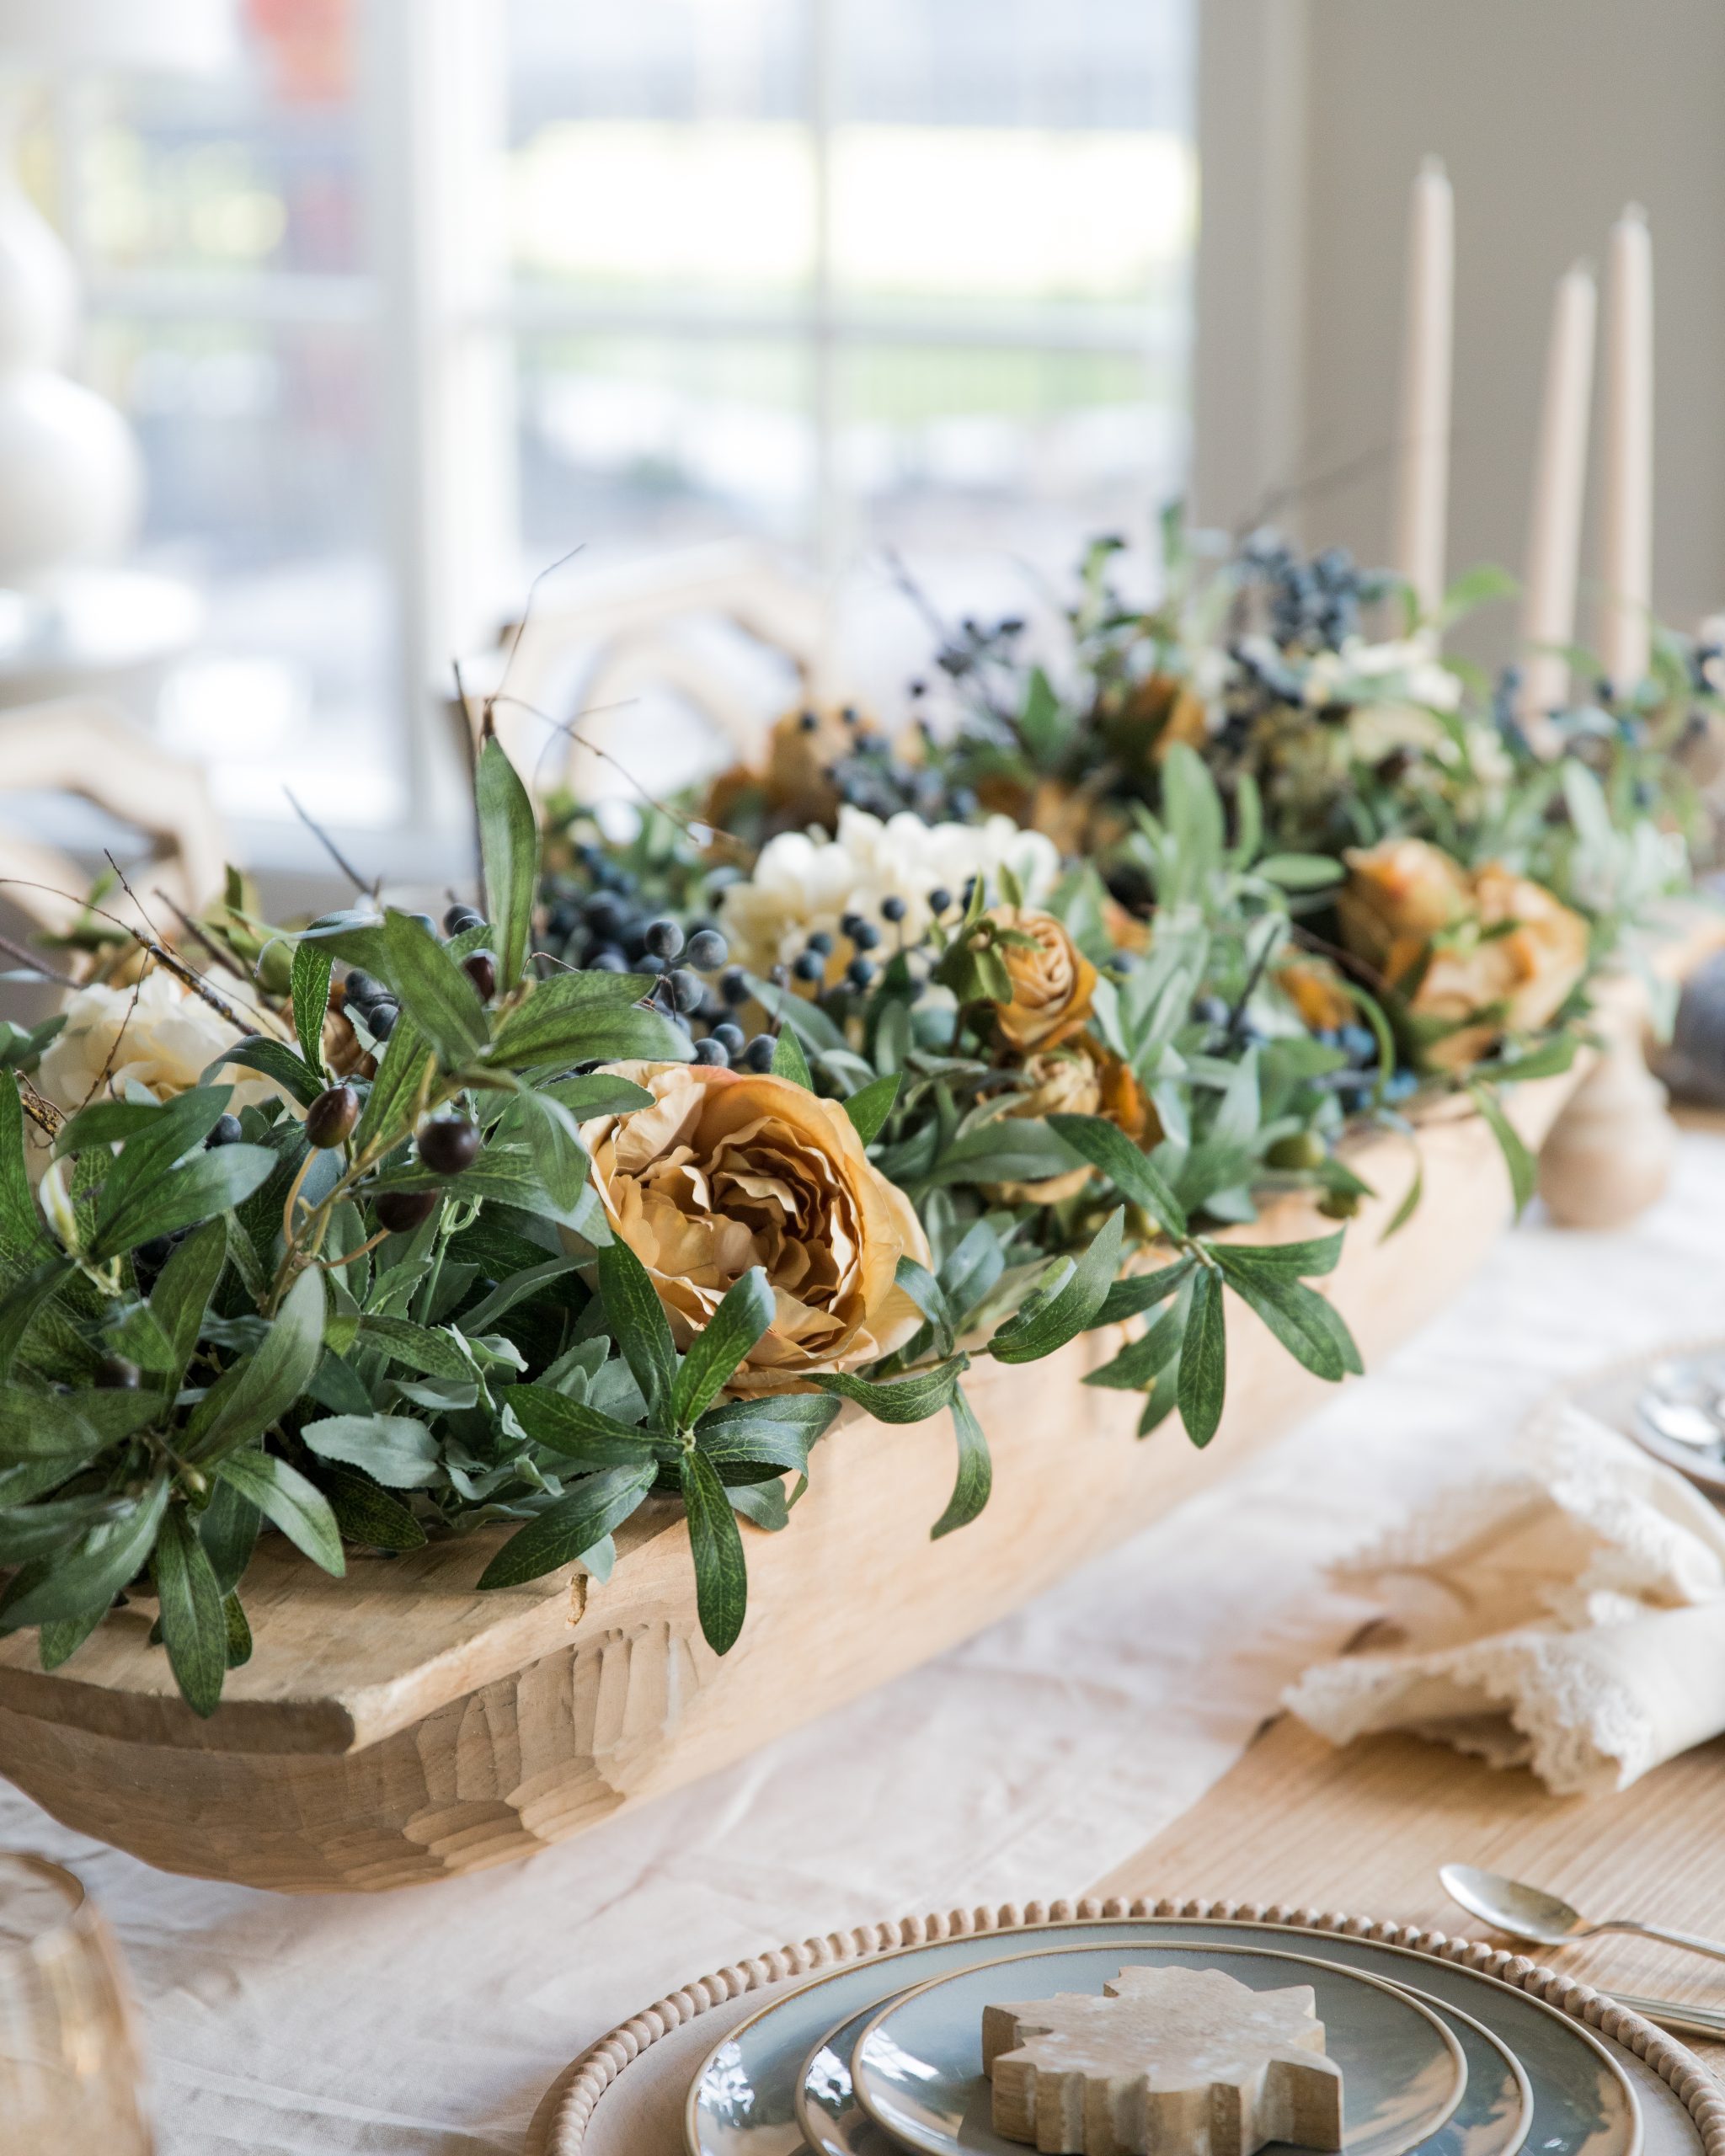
[(369, 890)]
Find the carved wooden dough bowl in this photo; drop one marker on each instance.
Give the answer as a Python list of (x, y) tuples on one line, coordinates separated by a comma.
[(396, 1726)]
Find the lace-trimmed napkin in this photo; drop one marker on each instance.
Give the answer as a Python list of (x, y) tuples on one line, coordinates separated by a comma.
[(1568, 1615)]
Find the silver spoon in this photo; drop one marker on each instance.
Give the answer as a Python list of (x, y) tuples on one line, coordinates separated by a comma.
[(1527, 1912)]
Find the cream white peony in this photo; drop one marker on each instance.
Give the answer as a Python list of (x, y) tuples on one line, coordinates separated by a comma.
[(157, 1034), (804, 882), (1399, 672)]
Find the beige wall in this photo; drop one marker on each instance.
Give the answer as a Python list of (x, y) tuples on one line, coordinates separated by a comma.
[(1550, 115)]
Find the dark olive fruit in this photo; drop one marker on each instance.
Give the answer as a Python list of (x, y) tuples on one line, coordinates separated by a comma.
[(729, 1037), (734, 985), (648, 963), (330, 1118), (606, 914), (460, 919), (859, 972), (849, 923), (808, 721), (821, 941), (448, 1144), (425, 922), (712, 1051), (1340, 1204), (664, 938), (608, 962), (865, 936), (707, 950), (399, 1212), (688, 991), (808, 967), (153, 1254), (359, 989), (480, 968), (381, 1017), (226, 1132), (892, 909), (939, 899), (1211, 1010), (115, 1374), (758, 1055)]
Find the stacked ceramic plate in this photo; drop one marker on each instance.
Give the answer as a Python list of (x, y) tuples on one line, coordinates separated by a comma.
[(885, 2054)]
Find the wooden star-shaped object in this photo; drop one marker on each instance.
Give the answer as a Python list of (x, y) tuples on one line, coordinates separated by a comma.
[(1169, 2063)]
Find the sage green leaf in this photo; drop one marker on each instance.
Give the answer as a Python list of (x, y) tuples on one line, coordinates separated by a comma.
[(1132, 1172), (1142, 1361), (208, 1184), (554, 1142), (1300, 872), (976, 1479), (1204, 1359), (514, 1289), (393, 1449), (1303, 1260), (289, 1502), (309, 988), (1017, 1149), (366, 1513), (714, 1353), (508, 854), (1307, 1326), (869, 1108), (810, 1023), (789, 1060), (70, 1427), (388, 1112), (106, 1558), (971, 1270), (247, 1398), (639, 1325), (721, 1571), (191, 1116), (898, 1400), (1549, 1059), (762, 1503), (28, 1299), (181, 1294), (194, 1629), (433, 1354), (920, 1284), (439, 997), (1042, 1325), (776, 1432), (1523, 1169), (600, 1092), (276, 1060), (583, 1434), (22, 1237), (564, 1008), (58, 1640), (571, 1527), (35, 1531), (1142, 1291), (239, 1632), (1410, 1204), (228, 1528)]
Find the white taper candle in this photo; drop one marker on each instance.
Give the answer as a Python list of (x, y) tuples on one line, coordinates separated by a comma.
[(1627, 531), (1423, 434), (1559, 487)]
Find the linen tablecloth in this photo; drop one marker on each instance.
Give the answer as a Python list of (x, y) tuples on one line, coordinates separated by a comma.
[(1026, 1762)]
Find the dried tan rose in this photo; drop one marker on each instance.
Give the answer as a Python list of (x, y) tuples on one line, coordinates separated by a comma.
[(1494, 948), (728, 1170), (1318, 992), (1518, 976), (1053, 981), (1083, 1078)]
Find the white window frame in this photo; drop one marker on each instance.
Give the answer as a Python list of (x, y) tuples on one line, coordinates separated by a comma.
[(438, 299)]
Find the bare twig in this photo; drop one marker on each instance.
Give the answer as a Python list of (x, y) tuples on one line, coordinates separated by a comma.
[(41, 1111), (1368, 975), (470, 751), (551, 569), (330, 847), (28, 959), (223, 958), (172, 963)]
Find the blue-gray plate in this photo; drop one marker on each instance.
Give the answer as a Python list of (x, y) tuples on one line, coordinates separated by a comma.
[(742, 2100), (917, 2067), (1492, 2118)]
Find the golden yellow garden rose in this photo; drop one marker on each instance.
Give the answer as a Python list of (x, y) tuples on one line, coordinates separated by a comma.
[(1053, 982), (1511, 954), (1520, 974), (1318, 992), (1398, 895), (728, 1170), (1081, 1079)]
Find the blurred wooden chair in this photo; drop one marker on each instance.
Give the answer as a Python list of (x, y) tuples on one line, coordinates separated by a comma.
[(726, 631), (88, 748)]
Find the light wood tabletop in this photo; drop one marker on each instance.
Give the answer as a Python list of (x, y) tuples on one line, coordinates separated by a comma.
[(1363, 1829)]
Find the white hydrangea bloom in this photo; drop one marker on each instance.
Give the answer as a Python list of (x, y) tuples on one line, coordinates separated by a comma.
[(805, 881), (157, 1034), (1404, 669)]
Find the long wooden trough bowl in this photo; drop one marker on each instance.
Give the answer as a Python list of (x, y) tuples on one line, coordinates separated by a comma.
[(397, 1726)]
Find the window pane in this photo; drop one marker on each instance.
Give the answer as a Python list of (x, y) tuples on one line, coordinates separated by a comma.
[(660, 149), (628, 442), (261, 492), (258, 170)]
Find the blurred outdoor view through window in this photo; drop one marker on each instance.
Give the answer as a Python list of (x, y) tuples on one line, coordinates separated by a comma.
[(846, 276)]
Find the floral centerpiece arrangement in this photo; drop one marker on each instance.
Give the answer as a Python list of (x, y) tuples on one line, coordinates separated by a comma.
[(895, 1054)]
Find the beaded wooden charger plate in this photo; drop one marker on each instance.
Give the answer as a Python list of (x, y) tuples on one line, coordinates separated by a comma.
[(626, 2094)]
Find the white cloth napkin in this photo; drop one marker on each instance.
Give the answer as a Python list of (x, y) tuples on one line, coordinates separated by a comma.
[(1566, 1615)]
